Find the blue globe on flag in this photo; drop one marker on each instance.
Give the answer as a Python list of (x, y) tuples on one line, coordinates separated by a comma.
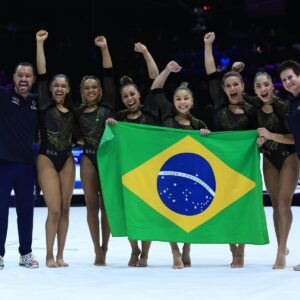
[(186, 184)]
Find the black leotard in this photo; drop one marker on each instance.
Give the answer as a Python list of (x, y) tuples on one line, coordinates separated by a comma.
[(153, 110), (92, 124), (275, 152), (224, 118), (55, 126)]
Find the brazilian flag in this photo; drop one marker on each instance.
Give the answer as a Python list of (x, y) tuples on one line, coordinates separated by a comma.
[(165, 184)]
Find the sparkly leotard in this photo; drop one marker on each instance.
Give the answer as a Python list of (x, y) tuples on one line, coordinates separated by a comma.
[(92, 124), (224, 118), (55, 127), (168, 114), (153, 110), (275, 152)]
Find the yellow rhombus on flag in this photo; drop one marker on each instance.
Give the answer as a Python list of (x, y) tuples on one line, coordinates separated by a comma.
[(165, 184), (142, 181)]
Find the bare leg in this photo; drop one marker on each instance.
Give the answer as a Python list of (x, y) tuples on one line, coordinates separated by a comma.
[(238, 258), (104, 226), (271, 178), (233, 248), (186, 259), (177, 261), (67, 179), (287, 184), (135, 253), (49, 183), (281, 186), (143, 261), (91, 186)]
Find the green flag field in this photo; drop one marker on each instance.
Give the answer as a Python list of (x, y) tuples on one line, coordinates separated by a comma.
[(164, 184)]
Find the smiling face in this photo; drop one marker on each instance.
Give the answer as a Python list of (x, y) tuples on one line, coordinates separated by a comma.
[(131, 97), (59, 88), (234, 88), (290, 81), (90, 90), (183, 101), (263, 87), (24, 79)]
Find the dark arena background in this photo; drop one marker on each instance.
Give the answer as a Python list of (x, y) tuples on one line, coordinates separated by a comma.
[(259, 33)]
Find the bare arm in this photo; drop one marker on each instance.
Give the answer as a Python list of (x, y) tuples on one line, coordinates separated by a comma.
[(276, 137), (209, 61), (109, 98), (41, 36), (215, 87), (151, 65), (43, 97), (160, 80), (101, 42)]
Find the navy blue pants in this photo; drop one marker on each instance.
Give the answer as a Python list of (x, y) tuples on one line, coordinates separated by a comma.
[(21, 178)]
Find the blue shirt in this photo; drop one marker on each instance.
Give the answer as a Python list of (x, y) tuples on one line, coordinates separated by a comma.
[(294, 122), (18, 123)]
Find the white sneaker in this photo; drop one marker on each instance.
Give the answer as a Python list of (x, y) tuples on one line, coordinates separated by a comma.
[(28, 261), (297, 268), (1, 263)]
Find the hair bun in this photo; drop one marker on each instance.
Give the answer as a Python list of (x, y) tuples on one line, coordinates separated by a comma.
[(184, 84), (124, 80)]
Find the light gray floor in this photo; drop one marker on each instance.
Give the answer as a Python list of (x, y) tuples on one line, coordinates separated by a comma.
[(210, 277)]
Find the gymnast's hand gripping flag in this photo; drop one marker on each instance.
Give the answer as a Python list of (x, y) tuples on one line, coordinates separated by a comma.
[(163, 184)]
